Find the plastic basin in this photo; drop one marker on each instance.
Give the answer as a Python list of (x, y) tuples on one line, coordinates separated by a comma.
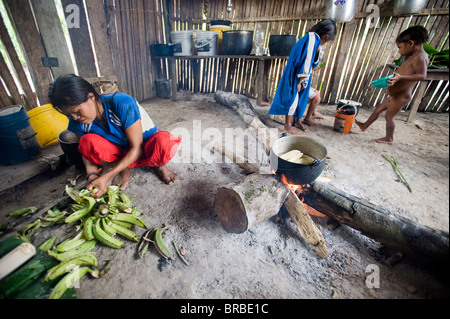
[(382, 83)]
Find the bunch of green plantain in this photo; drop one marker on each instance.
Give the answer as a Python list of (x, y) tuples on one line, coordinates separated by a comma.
[(103, 218), (74, 264)]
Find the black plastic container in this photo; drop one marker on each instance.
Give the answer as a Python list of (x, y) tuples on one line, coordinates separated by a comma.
[(159, 49), (281, 45), (221, 22), (237, 42)]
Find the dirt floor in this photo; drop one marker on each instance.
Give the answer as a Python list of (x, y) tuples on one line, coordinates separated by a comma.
[(269, 261)]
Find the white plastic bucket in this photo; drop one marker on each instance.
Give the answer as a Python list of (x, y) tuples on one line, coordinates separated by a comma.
[(206, 43), (181, 42)]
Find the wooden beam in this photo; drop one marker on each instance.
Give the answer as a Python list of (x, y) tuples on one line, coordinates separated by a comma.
[(22, 19), (30, 96), (97, 19), (80, 38), (8, 79), (52, 34)]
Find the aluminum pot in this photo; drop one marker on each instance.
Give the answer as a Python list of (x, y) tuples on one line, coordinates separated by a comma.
[(340, 11), (237, 42), (408, 6), (298, 174)]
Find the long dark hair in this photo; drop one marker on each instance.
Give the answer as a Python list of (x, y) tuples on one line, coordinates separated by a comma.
[(326, 29), (70, 90)]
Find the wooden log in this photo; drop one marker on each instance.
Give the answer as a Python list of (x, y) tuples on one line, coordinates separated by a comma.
[(255, 199), (305, 225), (242, 106), (240, 161), (249, 201), (394, 232)]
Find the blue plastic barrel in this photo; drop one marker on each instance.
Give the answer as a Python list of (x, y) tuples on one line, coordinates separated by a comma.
[(18, 141)]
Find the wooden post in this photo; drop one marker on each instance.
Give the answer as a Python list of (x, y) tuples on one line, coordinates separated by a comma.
[(173, 75), (417, 99), (260, 83)]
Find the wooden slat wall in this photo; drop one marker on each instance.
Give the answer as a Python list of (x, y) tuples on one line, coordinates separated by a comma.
[(123, 30), (357, 55), (39, 32), (371, 48)]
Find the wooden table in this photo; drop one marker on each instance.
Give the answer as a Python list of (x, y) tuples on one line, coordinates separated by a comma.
[(432, 75), (261, 69)]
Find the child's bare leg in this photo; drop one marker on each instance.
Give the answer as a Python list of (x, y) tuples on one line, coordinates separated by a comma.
[(374, 116), (311, 113), (167, 175), (288, 128), (395, 105)]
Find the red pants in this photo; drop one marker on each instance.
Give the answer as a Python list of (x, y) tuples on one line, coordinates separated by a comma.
[(159, 149)]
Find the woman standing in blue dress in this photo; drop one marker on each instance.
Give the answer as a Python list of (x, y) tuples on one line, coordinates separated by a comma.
[(291, 97)]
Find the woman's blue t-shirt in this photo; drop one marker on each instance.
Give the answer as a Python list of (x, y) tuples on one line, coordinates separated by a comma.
[(121, 111)]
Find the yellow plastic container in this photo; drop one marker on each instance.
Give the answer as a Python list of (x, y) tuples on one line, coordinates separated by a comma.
[(220, 29), (47, 123)]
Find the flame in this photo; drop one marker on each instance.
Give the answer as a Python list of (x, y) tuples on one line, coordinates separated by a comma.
[(293, 187), (297, 190)]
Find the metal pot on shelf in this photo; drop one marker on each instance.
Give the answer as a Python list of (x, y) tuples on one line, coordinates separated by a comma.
[(237, 42), (340, 11), (281, 45), (408, 6)]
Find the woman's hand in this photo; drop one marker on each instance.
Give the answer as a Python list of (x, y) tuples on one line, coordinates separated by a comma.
[(100, 184)]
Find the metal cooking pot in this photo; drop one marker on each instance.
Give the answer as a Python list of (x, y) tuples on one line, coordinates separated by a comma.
[(69, 144), (408, 6), (237, 42), (340, 11), (281, 45), (298, 174)]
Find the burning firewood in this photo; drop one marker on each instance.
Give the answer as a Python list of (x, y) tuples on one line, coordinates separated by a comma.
[(257, 197), (305, 225)]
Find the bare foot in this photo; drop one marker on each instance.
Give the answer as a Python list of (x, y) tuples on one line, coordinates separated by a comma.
[(309, 122), (317, 116), (384, 140), (291, 130), (122, 179), (362, 127), (167, 175), (299, 124)]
